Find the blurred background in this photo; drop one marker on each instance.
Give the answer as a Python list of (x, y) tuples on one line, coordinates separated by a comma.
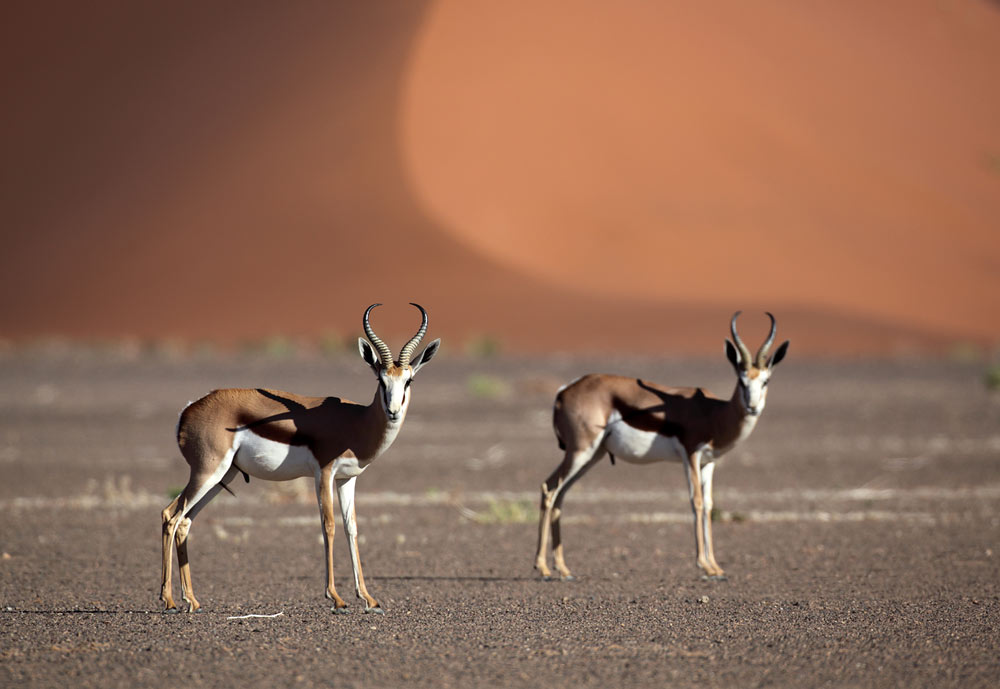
[(541, 176)]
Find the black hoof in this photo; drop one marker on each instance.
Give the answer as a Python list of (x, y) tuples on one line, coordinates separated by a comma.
[(376, 611), (569, 577), (171, 611), (340, 611), (714, 577)]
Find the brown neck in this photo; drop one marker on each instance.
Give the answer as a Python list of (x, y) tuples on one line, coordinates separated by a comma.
[(380, 431), (732, 423)]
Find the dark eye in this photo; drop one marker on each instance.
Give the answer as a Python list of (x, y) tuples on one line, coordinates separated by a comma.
[(766, 382)]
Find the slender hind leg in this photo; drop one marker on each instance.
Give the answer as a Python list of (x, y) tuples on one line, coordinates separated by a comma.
[(557, 547), (183, 566), (166, 592), (545, 518), (183, 529), (574, 465), (191, 498)]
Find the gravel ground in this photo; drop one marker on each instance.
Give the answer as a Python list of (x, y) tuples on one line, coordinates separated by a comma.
[(859, 526)]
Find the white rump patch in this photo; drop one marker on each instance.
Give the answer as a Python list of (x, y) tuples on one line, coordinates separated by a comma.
[(569, 384)]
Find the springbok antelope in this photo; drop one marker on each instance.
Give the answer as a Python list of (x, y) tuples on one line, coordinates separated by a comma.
[(643, 423), (279, 436)]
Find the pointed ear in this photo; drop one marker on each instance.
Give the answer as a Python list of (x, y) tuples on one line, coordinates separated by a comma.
[(426, 355), (733, 356), (368, 354), (778, 355)]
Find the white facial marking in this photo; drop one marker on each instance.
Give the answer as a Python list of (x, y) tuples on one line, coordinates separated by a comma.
[(395, 393), (754, 388)]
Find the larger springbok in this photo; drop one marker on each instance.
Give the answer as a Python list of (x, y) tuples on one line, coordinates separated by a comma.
[(642, 423), (279, 436)]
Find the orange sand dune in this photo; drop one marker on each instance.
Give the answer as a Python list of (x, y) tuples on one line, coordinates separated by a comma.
[(842, 155), (622, 178)]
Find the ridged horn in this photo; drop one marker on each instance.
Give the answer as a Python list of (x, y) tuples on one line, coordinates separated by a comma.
[(766, 347), (407, 351), (744, 352), (384, 353)]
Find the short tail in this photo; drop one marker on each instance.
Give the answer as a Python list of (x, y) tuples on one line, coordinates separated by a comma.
[(246, 477), (555, 426)]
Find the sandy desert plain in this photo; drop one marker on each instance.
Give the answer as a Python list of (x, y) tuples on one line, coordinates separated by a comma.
[(859, 526), (618, 178)]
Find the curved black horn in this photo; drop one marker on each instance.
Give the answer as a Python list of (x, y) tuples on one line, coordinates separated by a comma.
[(744, 352), (766, 347), (384, 353), (407, 351)]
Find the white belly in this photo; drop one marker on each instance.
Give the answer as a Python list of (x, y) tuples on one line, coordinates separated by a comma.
[(640, 447), (274, 461)]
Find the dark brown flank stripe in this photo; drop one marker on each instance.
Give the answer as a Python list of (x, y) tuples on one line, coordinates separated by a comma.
[(277, 428), (652, 420)]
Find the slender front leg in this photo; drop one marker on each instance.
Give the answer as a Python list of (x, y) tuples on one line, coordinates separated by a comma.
[(707, 472), (693, 473), (345, 492), (324, 494)]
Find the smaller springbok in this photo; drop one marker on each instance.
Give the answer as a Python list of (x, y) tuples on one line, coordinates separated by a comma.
[(642, 423), (279, 436)]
